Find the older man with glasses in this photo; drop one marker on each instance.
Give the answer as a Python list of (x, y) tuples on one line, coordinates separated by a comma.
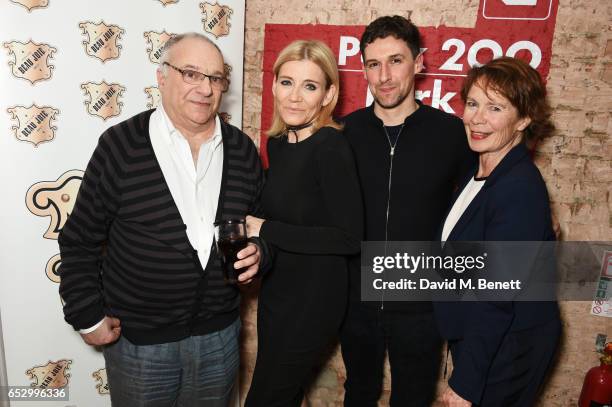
[(140, 275)]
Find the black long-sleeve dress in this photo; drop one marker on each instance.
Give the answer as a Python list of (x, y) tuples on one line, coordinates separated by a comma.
[(313, 208)]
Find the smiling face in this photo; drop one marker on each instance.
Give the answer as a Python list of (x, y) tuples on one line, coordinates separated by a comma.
[(192, 108), (300, 92), (390, 69), (492, 123)]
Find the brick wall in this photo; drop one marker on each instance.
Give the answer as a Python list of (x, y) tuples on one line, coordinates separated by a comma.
[(575, 163)]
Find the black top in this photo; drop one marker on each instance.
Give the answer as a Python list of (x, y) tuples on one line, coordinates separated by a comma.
[(393, 133), (311, 202), (430, 157), (311, 197), (313, 213)]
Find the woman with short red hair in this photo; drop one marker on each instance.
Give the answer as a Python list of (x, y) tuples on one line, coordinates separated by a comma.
[(501, 350)]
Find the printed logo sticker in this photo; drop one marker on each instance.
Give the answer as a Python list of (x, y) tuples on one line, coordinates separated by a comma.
[(53, 375), (101, 40), (216, 19), (155, 44), (153, 97), (52, 268), (54, 199), (31, 4), (101, 381), (30, 60), (103, 99), (33, 123)]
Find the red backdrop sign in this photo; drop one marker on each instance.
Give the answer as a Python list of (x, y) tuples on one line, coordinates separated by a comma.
[(517, 28)]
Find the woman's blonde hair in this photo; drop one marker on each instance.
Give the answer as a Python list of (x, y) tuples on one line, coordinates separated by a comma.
[(321, 55)]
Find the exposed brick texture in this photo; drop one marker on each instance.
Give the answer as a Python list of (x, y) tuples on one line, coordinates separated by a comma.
[(575, 162)]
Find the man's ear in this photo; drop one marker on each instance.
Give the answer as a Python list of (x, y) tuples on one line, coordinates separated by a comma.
[(418, 62), (161, 79), (363, 66)]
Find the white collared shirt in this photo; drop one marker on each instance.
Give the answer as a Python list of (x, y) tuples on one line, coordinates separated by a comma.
[(195, 189)]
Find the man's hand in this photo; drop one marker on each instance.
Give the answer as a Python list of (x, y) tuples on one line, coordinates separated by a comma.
[(106, 333), (249, 257), (451, 399)]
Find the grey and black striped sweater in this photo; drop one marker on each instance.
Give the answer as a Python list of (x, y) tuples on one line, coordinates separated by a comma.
[(125, 251)]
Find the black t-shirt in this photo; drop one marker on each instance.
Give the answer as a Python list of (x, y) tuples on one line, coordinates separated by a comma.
[(393, 133)]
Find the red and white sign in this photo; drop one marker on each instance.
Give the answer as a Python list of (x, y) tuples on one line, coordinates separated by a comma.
[(517, 28)]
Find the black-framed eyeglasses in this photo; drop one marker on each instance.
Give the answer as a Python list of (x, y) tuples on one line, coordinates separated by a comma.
[(195, 78)]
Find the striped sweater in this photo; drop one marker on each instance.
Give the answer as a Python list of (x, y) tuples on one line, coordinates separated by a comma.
[(125, 251)]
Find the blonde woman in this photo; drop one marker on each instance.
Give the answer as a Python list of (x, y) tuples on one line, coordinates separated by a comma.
[(313, 210)]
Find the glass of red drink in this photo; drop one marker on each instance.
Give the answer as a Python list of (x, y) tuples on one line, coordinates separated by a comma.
[(230, 237)]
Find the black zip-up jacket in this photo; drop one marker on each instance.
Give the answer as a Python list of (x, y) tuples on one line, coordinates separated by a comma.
[(430, 158)]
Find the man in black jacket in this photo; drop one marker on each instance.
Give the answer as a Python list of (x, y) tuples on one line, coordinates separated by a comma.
[(409, 158), (140, 275)]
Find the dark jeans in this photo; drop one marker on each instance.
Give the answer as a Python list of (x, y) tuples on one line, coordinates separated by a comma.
[(196, 371), (414, 346)]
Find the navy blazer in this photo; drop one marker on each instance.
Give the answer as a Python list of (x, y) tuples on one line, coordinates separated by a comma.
[(512, 205)]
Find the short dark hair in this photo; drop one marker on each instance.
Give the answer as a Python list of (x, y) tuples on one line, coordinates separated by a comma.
[(522, 85), (396, 26)]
